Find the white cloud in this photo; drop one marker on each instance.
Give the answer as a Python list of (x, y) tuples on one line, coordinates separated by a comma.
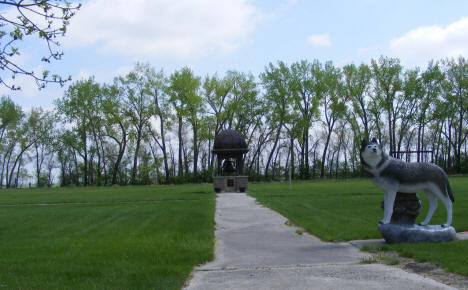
[(29, 95), (432, 42), (123, 70), (319, 39), (159, 28), (83, 74), (102, 74)]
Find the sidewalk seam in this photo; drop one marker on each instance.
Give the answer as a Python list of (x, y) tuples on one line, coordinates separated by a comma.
[(275, 267)]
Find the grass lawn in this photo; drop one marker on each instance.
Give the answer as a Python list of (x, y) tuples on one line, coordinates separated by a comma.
[(350, 210), (452, 256), (104, 238)]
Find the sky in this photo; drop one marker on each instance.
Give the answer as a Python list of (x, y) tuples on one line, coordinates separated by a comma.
[(107, 37)]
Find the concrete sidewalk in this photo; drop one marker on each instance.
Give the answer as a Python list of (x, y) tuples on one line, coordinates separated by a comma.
[(256, 250)]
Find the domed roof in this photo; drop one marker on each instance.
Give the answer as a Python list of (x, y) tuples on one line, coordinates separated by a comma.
[(230, 141)]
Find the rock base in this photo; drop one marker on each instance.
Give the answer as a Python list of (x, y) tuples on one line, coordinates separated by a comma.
[(405, 208), (405, 233)]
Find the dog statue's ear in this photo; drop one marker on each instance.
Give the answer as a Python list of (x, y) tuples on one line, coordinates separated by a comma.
[(374, 140), (363, 143)]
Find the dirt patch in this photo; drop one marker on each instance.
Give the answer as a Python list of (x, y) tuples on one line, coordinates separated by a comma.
[(427, 270)]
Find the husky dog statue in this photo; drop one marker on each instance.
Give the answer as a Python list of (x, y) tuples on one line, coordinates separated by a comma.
[(393, 175)]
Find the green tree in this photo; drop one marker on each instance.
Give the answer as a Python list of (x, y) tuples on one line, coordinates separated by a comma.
[(234, 102), (116, 126), (455, 92), (42, 129), (412, 94), (157, 86), (243, 104), (10, 114), (333, 104), (386, 73), (185, 98), (216, 94), (431, 81), (245, 109), (356, 89), (278, 96), (138, 107), (80, 107), (25, 136), (356, 82), (65, 147), (305, 79), (10, 117)]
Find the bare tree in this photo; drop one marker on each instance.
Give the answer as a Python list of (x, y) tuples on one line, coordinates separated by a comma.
[(48, 20)]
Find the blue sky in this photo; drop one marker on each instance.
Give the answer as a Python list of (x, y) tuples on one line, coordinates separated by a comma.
[(107, 37)]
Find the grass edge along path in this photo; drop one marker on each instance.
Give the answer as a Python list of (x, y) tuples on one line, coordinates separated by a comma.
[(105, 245), (349, 210), (451, 256)]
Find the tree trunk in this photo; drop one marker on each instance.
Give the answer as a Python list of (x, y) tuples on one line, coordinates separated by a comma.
[(181, 144), (7, 153), (186, 164), (20, 155), (8, 169), (337, 161), (291, 154), (38, 166), (137, 151), (345, 163), (163, 148), (365, 120), (122, 146), (163, 135), (459, 142), (85, 158), (195, 151), (18, 173), (324, 155), (390, 135), (449, 165), (306, 143), (302, 165), (98, 152), (394, 135), (270, 156)]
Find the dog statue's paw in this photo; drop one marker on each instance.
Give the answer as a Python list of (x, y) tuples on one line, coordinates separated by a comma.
[(381, 222), (422, 224), (444, 225)]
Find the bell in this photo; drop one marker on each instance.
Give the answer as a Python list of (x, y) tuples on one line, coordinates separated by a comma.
[(228, 166)]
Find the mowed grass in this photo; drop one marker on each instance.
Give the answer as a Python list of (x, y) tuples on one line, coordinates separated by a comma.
[(331, 210), (104, 238), (452, 256), (104, 194), (350, 210), (341, 210)]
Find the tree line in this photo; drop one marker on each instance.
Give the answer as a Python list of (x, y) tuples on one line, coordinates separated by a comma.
[(301, 121)]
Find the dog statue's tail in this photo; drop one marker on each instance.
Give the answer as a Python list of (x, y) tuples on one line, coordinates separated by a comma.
[(449, 192)]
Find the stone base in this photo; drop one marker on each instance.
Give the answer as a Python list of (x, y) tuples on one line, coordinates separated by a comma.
[(405, 233), (230, 183)]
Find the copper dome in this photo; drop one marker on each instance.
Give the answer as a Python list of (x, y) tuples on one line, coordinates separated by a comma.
[(230, 142)]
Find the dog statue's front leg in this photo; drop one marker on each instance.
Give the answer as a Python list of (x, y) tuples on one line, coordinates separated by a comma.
[(389, 200)]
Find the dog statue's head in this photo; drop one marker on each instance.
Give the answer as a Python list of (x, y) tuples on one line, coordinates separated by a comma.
[(371, 152)]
